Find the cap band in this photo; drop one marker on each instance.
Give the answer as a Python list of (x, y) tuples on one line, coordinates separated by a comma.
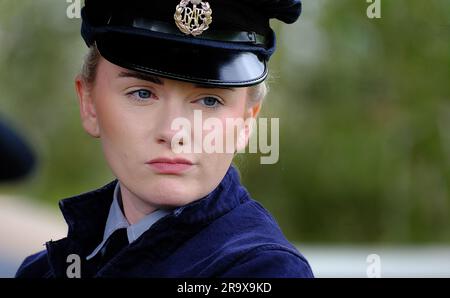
[(226, 36)]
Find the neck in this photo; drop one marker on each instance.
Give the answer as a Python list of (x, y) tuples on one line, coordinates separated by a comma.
[(133, 207)]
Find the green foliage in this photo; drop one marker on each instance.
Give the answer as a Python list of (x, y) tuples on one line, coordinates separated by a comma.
[(365, 114)]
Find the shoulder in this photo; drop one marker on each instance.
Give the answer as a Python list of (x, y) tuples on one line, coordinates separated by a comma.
[(250, 222), (35, 265), (270, 261), (251, 244), (269, 254)]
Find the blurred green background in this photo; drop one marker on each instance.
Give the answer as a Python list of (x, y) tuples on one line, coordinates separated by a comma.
[(364, 108)]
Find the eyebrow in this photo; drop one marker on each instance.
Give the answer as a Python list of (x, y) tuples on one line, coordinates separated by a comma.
[(141, 76), (158, 81), (202, 86)]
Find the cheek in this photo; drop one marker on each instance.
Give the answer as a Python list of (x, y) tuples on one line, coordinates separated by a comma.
[(114, 122), (121, 132), (233, 121), (238, 109), (216, 164)]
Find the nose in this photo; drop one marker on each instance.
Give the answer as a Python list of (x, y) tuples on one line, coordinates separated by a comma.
[(171, 113)]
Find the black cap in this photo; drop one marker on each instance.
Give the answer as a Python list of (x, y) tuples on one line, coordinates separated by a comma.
[(215, 42)]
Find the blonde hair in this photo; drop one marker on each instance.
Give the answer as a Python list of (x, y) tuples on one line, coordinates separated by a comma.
[(90, 65), (257, 93)]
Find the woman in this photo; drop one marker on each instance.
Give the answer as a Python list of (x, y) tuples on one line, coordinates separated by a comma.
[(177, 208)]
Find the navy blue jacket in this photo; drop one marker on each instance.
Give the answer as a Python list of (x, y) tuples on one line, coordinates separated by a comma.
[(224, 234)]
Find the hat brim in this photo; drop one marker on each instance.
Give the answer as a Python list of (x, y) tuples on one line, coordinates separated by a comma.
[(180, 61)]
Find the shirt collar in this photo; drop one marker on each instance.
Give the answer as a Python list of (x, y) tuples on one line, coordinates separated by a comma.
[(117, 220)]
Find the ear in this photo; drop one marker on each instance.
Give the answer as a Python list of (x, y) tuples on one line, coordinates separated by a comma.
[(253, 110), (251, 114), (88, 113)]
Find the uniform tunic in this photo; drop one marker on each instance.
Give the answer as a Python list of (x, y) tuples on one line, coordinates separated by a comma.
[(224, 234)]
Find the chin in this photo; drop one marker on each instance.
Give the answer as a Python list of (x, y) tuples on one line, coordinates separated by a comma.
[(167, 192)]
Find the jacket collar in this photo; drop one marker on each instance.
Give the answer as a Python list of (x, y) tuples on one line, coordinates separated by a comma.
[(86, 214), (86, 217), (117, 220)]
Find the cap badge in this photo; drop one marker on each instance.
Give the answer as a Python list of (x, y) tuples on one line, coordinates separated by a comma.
[(193, 17)]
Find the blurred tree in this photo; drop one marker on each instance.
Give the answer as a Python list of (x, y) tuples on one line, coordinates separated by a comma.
[(364, 105)]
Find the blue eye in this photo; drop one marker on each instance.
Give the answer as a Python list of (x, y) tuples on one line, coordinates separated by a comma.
[(211, 102), (144, 94), (141, 95)]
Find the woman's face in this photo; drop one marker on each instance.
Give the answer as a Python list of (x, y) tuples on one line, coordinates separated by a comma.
[(132, 114)]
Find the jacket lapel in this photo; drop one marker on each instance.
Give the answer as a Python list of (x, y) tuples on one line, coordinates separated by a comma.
[(86, 216)]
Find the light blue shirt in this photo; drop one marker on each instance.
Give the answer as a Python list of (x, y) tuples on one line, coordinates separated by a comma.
[(117, 220)]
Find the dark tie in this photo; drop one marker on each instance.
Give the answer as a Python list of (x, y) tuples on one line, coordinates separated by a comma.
[(113, 245)]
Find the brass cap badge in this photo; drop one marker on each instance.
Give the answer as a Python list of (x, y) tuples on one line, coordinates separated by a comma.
[(193, 17)]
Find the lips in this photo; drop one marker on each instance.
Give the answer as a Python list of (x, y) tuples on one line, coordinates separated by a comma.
[(170, 166)]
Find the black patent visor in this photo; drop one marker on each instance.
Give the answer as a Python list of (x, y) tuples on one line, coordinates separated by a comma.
[(182, 61)]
